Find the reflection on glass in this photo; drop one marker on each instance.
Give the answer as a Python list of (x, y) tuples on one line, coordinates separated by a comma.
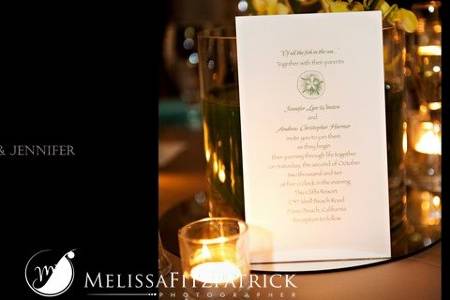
[(394, 59), (221, 122), (430, 207), (430, 50)]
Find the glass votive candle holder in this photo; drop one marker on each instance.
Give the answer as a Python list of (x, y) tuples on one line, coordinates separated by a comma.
[(214, 257), (423, 158)]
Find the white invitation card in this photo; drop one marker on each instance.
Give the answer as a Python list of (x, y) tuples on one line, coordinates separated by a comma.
[(311, 90)]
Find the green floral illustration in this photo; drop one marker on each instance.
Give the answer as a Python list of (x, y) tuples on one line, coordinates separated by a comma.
[(311, 84)]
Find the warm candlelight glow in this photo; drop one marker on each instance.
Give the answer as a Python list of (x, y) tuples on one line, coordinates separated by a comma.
[(425, 205), (436, 201), (233, 180), (437, 28), (207, 154), (205, 253), (431, 50), (405, 138), (214, 251), (206, 142), (215, 272), (429, 139), (423, 108), (434, 105), (431, 209), (222, 175), (215, 163)]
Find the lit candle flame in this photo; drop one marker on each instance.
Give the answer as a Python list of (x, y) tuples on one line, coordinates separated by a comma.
[(205, 253), (429, 140)]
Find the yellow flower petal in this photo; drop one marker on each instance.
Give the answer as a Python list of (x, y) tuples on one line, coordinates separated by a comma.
[(282, 9), (272, 7), (357, 6), (260, 6), (407, 19), (339, 6), (384, 7)]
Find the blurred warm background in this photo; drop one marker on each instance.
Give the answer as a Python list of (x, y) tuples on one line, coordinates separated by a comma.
[(184, 154)]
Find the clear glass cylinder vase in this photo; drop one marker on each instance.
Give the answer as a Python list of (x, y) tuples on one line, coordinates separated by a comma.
[(395, 104), (221, 121)]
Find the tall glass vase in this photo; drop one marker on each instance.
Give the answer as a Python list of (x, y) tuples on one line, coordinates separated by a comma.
[(394, 78), (221, 121)]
